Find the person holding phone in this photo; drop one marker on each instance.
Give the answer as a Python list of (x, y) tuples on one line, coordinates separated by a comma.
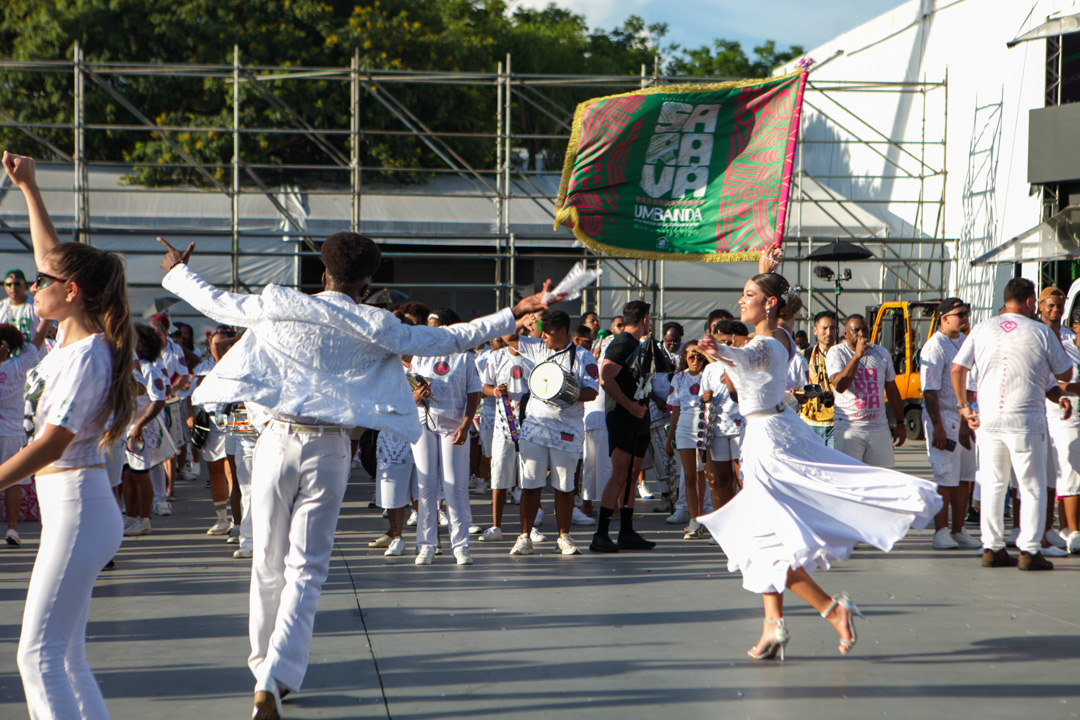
[(862, 376), (949, 440)]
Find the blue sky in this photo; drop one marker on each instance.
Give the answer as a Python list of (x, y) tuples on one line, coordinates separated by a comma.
[(693, 23)]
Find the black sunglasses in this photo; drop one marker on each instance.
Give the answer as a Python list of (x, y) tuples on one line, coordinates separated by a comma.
[(44, 280)]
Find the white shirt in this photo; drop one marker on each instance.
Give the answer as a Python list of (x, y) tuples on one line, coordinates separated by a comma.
[(1053, 410), (452, 378), (149, 375), (69, 389), (487, 404), (729, 421), (1014, 356), (22, 316), (549, 425), (862, 405), (322, 357), (503, 367), (798, 372), (658, 414), (12, 382), (935, 371)]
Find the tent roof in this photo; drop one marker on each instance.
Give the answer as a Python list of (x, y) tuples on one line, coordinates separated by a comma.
[(1055, 238)]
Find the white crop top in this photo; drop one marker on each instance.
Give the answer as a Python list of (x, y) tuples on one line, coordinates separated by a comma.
[(69, 388)]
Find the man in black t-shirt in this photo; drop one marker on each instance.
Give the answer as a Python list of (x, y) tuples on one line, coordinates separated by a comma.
[(628, 429)]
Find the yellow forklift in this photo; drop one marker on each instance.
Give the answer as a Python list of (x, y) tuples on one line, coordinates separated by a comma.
[(902, 328)]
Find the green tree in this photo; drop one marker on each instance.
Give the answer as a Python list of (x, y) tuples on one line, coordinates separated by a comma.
[(726, 59)]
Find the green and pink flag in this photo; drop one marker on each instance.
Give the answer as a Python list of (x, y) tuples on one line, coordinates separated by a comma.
[(683, 172)]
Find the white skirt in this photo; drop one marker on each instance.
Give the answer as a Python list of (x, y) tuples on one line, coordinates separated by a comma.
[(807, 505)]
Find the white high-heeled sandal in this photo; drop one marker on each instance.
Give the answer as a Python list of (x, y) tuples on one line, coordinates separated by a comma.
[(844, 601), (776, 645)]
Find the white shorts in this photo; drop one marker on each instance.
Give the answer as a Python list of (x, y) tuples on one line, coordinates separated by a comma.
[(1064, 460), (596, 468), (537, 460), (504, 463), (214, 447), (9, 445), (486, 438), (395, 485), (872, 447), (725, 448), (945, 464)]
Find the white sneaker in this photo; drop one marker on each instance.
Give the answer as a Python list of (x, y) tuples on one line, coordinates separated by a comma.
[(129, 521), (1011, 540), (443, 520), (162, 507), (566, 545), (491, 534), (424, 556), (221, 527), (1054, 551), (644, 492), (141, 526), (412, 518), (678, 517), (481, 486), (523, 546), (474, 529), (1054, 538), (539, 517), (244, 552), (463, 556), (233, 540), (580, 518), (1073, 543), (13, 538), (397, 546), (966, 541), (537, 536), (943, 540)]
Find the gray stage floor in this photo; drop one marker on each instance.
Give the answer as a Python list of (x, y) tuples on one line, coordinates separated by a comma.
[(624, 636)]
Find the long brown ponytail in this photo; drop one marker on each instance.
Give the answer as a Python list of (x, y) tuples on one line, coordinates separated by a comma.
[(101, 277)]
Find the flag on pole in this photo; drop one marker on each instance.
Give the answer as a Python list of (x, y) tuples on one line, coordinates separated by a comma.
[(683, 172)]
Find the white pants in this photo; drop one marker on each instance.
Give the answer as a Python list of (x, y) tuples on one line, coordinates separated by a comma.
[(1000, 455), (81, 530), (433, 453), (872, 447), (504, 463), (298, 483), (537, 460), (596, 464), (243, 451)]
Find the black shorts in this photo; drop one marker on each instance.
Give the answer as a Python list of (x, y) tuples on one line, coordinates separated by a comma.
[(627, 433)]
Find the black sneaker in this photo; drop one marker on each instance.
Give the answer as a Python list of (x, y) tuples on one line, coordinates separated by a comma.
[(632, 541), (602, 544)]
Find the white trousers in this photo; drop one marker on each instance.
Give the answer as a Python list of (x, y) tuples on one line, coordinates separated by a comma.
[(595, 465), (298, 484), (81, 530), (504, 463), (999, 456), (243, 447), (872, 447), (434, 453)]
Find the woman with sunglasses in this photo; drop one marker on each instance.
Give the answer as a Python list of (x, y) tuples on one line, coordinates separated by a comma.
[(688, 430), (83, 398), (803, 506)]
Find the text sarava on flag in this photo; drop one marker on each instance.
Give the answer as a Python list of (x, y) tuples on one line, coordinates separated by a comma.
[(683, 172)]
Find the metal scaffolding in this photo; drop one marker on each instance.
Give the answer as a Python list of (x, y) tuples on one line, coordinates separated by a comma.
[(911, 264)]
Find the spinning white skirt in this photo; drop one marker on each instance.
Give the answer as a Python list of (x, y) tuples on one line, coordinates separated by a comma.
[(807, 505)]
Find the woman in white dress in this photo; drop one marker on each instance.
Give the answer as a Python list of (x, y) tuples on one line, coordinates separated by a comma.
[(804, 506)]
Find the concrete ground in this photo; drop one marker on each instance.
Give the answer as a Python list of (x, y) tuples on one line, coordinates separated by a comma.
[(624, 636)]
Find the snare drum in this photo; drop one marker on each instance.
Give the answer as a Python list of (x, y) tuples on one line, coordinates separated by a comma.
[(554, 384), (239, 424)]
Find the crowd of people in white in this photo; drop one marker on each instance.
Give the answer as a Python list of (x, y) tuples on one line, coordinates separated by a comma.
[(744, 435)]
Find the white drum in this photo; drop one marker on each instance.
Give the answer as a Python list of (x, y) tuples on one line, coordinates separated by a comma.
[(552, 383)]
